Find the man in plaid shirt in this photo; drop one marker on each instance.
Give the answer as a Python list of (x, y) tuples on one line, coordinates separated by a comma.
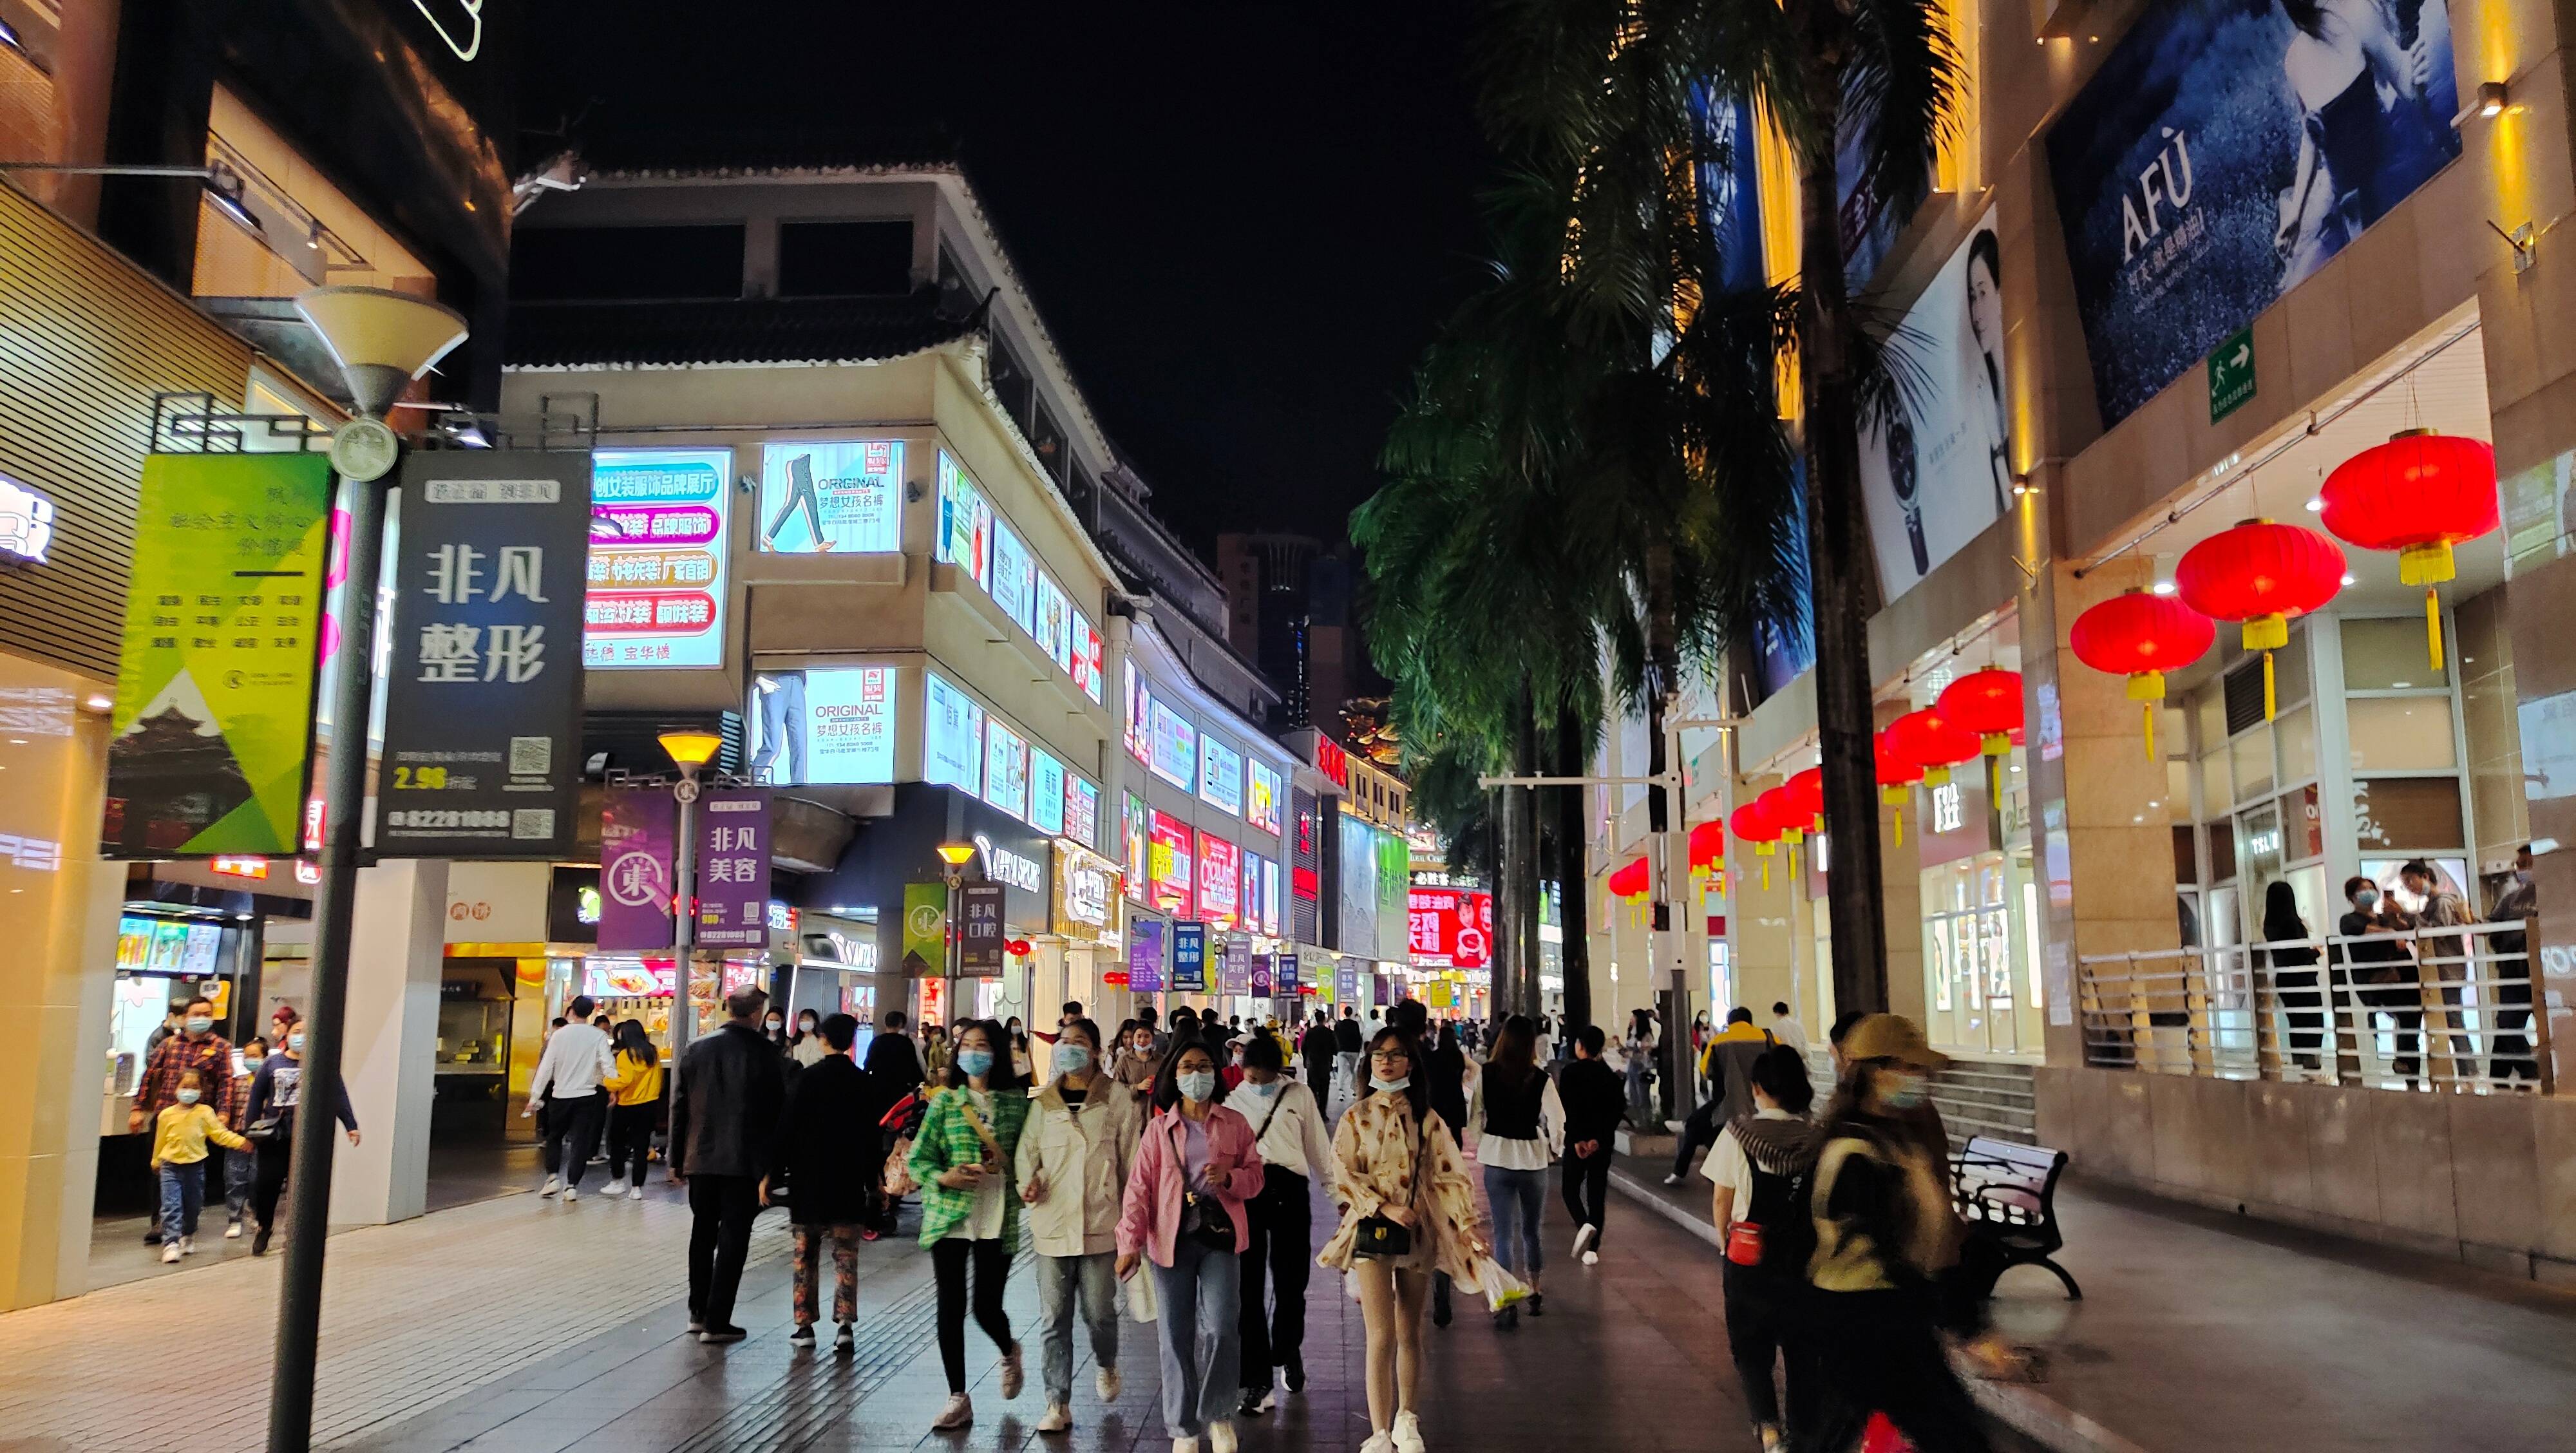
[(195, 1047)]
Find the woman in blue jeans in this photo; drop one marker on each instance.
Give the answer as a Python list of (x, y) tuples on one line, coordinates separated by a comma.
[(1521, 1128)]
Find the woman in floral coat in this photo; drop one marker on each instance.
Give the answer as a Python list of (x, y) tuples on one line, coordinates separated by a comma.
[(1397, 1159)]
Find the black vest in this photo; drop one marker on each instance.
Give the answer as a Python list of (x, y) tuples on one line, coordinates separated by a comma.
[(1513, 1114)]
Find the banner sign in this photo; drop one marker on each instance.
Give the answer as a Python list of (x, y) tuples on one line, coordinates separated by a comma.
[(925, 929), (2222, 154), (1940, 471), (207, 749), (1189, 958), (733, 868), (1145, 955), (482, 754), (831, 499), (1284, 977), (1261, 976), (980, 940), (637, 829), (1346, 982), (1236, 974), (829, 724), (657, 558)]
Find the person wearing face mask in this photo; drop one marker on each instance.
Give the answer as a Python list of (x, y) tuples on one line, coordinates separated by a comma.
[(1196, 1168), (1296, 1145), (195, 1047), (1072, 1163), (965, 1157), (241, 1168), (1885, 1231), (275, 1094), (179, 1136), (808, 1047), (2380, 960), (827, 1144)]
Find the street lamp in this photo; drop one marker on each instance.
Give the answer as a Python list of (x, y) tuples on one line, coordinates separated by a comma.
[(382, 340), (690, 751), (952, 958)]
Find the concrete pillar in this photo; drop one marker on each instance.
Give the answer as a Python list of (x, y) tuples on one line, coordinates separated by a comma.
[(1900, 876), (1765, 917), (396, 947)]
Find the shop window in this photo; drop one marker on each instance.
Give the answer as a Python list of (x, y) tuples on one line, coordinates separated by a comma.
[(2389, 655), (2252, 755), (2186, 849), (2401, 733), (2217, 784), (2297, 731), (2406, 813), (2303, 828), (570, 264), (2222, 850), (844, 259), (2258, 835)]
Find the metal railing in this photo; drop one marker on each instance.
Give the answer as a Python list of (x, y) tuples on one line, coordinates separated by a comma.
[(2438, 1009)]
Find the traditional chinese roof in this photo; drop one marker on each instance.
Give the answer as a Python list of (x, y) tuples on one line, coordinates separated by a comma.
[(675, 334), (651, 151)]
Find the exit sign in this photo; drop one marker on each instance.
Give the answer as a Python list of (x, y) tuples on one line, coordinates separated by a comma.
[(2231, 374)]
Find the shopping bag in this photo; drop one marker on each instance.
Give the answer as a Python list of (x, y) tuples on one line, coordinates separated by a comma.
[(1140, 1294), (1881, 1437), (1487, 1279)]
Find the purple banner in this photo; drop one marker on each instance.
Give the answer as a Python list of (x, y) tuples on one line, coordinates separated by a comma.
[(1235, 971), (636, 830), (1145, 956), (733, 868), (1261, 976)]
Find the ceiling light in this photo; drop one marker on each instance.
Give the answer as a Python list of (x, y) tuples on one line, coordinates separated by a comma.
[(2164, 587), (2348, 579), (2316, 504), (2491, 98), (100, 703), (9, 36)]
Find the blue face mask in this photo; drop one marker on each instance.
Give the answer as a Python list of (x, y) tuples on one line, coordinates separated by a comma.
[(1197, 1085), (1902, 1092), (974, 1063), (1390, 1085), (1268, 1090), (1072, 1059), (187, 1097)]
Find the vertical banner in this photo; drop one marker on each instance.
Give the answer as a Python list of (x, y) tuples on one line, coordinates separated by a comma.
[(482, 754), (733, 868), (1145, 956), (1261, 976), (1347, 982), (1283, 976), (980, 939), (214, 683), (925, 929), (1189, 958), (637, 829), (1237, 970)]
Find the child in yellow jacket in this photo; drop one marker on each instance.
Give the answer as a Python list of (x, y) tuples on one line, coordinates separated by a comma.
[(179, 1153)]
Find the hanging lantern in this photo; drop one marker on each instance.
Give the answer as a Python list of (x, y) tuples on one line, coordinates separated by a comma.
[(1804, 795), (1986, 702), (1783, 815), (1748, 822), (2142, 636), (1707, 846), (2419, 494), (1932, 742), (2261, 573), (1896, 779)]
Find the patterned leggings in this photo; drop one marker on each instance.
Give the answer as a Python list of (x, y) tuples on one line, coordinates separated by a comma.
[(845, 1271)]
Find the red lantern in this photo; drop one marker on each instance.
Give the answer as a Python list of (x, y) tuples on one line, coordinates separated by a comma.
[(1896, 779), (2142, 637), (1783, 815), (1932, 742), (1804, 793), (2261, 574), (1707, 845), (2419, 494), (1751, 821), (1630, 881), (1986, 702)]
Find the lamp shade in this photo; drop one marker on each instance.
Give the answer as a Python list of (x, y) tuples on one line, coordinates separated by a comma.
[(1895, 773), (2142, 636), (691, 748), (1783, 815), (1986, 702), (1629, 881), (1748, 823), (1932, 742), (381, 339)]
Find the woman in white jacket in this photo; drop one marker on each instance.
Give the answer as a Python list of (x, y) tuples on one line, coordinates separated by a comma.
[(1073, 1161)]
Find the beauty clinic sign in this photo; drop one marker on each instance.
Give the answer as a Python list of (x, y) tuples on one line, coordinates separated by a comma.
[(1450, 928)]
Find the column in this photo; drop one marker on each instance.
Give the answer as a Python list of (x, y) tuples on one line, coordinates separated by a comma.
[(396, 947), (1764, 917), (1900, 876)]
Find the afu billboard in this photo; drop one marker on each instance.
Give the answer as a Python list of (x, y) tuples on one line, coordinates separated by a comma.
[(2224, 153)]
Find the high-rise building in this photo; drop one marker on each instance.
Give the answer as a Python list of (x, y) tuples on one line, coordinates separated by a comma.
[(1289, 609)]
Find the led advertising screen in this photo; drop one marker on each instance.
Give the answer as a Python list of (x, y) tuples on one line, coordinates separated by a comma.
[(1015, 578), (1006, 769), (1046, 792), (1055, 620), (1450, 928), (1081, 811), (1135, 839), (1140, 704), (1086, 655), (1261, 803), (952, 736), (832, 499), (1169, 866), (1220, 775), (656, 585), (965, 522), (1174, 743), (824, 725), (1220, 882)]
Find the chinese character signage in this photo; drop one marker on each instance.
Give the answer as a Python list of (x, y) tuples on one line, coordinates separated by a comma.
[(1261, 805), (733, 868), (1261, 976), (656, 578), (980, 938), (1283, 976), (482, 754), (1450, 928), (1347, 982), (837, 499), (1220, 774), (637, 827), (965, 522), (830, 724), (1220, 881), (214, 684), (1145, 955), (1169, 866), (1086, 894), (1236, 974), (1189, 958), (952, 736)]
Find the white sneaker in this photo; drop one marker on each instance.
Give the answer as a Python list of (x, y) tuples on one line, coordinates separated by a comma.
[(1108, 1384), (1185, 1445), (1583, 1237), (636, 1194), (571, 1194), (1058, 1418), (169, 1252), (1408, 1433), (1014, 1373), (614, 1188), (1592, 1258), (1672, 1180), (957, 1414), (1220, 1436), (187, 1246), (233, 1232), (552, 1185), (1379, 1443)]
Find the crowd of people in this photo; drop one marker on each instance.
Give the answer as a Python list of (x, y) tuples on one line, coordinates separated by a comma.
[(196, 1098)]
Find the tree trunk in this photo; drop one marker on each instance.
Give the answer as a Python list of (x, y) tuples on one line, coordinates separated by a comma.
[(1573, 875), (1663, 684), (1498, 852), (1525, 881), (1836, 548)]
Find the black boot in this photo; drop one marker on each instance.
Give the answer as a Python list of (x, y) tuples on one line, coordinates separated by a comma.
[(1296, 1371)]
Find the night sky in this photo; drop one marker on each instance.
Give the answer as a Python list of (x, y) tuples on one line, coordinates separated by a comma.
[(1241, 221)]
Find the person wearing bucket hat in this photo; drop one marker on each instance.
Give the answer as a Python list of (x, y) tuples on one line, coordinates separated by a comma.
[(1885, 1233)]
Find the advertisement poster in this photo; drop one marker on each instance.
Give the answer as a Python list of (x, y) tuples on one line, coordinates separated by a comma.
[(1358, 905), (981, 936), (2225, 152), (214, 681), (1174, 744), (1006, 770), (1220, 775), (1220, 881), (1451, 928), (925, 929), (829, 724), (1235, 973), (733, 868), (1284, 976), (1086, 894), (1940, 472), (1086, 655), (1169, 865), (1081, 811), (1189, 958), (1346, 981), (1140, 699), (1135, 837), (657, 558), (1394, 877), (952, 737), (836, 499), (1261, 982), (482, 754), (1055, 619), (1046, 792), (1261, 802), (637, 828), (965, 522), (1015, 581), (1145, 955)]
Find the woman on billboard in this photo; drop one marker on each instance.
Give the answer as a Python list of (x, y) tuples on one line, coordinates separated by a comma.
[(2374, 85)]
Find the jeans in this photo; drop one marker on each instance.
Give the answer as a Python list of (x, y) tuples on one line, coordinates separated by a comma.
[(721, 1209), (572, 1133), (240, 1169), (1517, 1196), (183, 1194), (1641, 1100), (1878, 1351), (1062, 1280), (1761, 1329), (1587, 1189), (630, 1140), (948, 1258), (806, 1271), (782, 721), (1347, 1062), (276, 1157), (1282, 1229), (1199, 1336)]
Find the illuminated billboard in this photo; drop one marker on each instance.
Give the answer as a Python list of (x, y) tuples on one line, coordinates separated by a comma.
[(656, 583), (1169, 866), (1220, 775), (952, 736), (832, 499), (822, 725)]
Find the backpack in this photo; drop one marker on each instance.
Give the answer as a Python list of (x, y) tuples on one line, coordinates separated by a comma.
[(1779, 1206)]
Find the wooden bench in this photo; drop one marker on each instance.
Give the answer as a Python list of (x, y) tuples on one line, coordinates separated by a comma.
[(2007, 1193)]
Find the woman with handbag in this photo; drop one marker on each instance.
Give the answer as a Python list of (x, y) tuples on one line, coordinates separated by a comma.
[(1073, 1164), (970, 1210), (1184, 1211), (1760, 1209), (1407, 1209)]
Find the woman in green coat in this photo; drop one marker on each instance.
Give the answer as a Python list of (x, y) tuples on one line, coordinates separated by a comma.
[(970, 1206)]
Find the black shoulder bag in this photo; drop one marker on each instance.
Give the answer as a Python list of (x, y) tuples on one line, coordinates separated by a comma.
[(1378, 1236)]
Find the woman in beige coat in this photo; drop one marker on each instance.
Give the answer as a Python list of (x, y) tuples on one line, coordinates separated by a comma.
[(1073, 1162)]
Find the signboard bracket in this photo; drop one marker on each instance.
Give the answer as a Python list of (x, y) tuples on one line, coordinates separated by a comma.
[(190, 423)]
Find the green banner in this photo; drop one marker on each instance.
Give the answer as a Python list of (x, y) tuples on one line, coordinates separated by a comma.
[(214, 689), (925, 929)]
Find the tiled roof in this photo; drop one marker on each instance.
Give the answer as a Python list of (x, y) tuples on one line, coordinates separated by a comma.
[(751, 151), (729, 330)]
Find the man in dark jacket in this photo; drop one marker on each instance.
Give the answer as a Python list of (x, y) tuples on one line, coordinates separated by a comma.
[(1595, 1102), (827, 1148), (1316, 1052), (724, 1121), (1348, 1042), (894, 1062)]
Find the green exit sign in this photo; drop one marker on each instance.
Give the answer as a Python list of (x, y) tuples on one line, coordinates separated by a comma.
[(2231, 374)]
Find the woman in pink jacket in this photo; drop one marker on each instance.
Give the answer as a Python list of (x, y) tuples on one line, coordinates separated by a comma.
[(1184, 1211)]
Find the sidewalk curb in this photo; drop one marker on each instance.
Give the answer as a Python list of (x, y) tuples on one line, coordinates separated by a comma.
[(2018, 1406)]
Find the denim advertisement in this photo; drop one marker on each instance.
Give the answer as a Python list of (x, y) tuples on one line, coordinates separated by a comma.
[(2224, 153), (1940, 472)]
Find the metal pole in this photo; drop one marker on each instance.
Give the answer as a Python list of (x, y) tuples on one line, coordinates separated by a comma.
[(344, 785), (684, 920), (951, 960)]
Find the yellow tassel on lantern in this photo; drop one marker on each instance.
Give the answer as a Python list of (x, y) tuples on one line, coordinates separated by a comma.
[(2267, 634), (1895, 797), (2428, 566), (2149, 687)]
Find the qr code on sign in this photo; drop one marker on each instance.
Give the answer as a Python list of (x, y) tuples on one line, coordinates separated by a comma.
[(532, 822), (531, 756)]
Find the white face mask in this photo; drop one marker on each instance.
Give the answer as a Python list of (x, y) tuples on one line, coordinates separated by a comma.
[(295, 1042), (187, 1097)]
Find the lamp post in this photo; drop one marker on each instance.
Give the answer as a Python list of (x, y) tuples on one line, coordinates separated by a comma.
[(954, 857), (690, 751), (382, 340)]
